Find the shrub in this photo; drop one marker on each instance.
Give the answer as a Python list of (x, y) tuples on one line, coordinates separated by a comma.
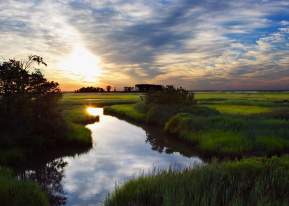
[(170, 96)]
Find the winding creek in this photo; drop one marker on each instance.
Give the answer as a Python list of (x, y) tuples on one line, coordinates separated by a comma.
[(120, 151)]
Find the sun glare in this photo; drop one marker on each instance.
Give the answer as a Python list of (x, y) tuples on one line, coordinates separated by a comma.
[(93, 111), (82, 65)]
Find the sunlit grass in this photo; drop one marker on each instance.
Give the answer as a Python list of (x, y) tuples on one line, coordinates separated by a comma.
[(240, 109), (263, 96), (99, 99), (128, 111)]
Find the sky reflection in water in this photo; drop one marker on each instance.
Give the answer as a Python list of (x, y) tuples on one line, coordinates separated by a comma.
[(119, 153)]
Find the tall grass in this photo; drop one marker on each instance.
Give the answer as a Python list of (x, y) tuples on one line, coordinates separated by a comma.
[(14, 192), (256, 181)]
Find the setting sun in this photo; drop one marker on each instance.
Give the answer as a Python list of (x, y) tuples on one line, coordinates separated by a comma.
[(82, 64)]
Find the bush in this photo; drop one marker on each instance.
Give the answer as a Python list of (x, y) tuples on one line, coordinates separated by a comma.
[(170, 96)]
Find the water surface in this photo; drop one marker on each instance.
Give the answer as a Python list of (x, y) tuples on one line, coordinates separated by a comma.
[(120, 151)]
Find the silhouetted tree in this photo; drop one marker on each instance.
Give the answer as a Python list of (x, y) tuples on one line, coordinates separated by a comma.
[(108, 88), (28, 100)]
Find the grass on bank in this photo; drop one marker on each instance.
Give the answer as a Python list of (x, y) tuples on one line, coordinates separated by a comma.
[(15, 192), (219, 129), (255, 181), (231, 135), (76, 117), (127, 111)]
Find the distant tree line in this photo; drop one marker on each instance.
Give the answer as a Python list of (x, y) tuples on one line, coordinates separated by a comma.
[(136, 88), (94, 89)]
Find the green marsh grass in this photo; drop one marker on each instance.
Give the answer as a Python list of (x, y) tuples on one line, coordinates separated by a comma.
[(255, 181), (221, 129), (231, 135), (127, 111), (240, 109)]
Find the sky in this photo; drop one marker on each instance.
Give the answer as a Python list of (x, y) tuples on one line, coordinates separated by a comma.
[(197, 44)]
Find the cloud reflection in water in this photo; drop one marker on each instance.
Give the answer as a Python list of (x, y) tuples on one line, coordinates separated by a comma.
[(120, 152)]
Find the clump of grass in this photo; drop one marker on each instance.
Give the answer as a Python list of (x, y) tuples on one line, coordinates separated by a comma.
[(15, 192), (255, 181)]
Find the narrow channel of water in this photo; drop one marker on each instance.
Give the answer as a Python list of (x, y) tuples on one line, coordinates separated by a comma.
[(120, 152)]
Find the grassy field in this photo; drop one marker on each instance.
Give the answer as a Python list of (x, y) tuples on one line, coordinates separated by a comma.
[(99, 99), (222, 123), (255, 181), (254, 96)]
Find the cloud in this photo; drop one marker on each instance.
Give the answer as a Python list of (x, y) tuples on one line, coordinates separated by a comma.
[(186, 42)]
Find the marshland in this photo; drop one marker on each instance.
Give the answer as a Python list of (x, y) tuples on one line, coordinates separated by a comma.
[(144, 103), (169, 147)]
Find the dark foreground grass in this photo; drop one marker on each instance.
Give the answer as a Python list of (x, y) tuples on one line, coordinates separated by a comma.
[(15, 192), (249, 182)]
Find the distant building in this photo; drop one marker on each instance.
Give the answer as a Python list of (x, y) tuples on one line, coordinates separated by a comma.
[(148, 87)]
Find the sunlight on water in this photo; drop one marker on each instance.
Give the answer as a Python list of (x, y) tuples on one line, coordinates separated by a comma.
[(93, 111)]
